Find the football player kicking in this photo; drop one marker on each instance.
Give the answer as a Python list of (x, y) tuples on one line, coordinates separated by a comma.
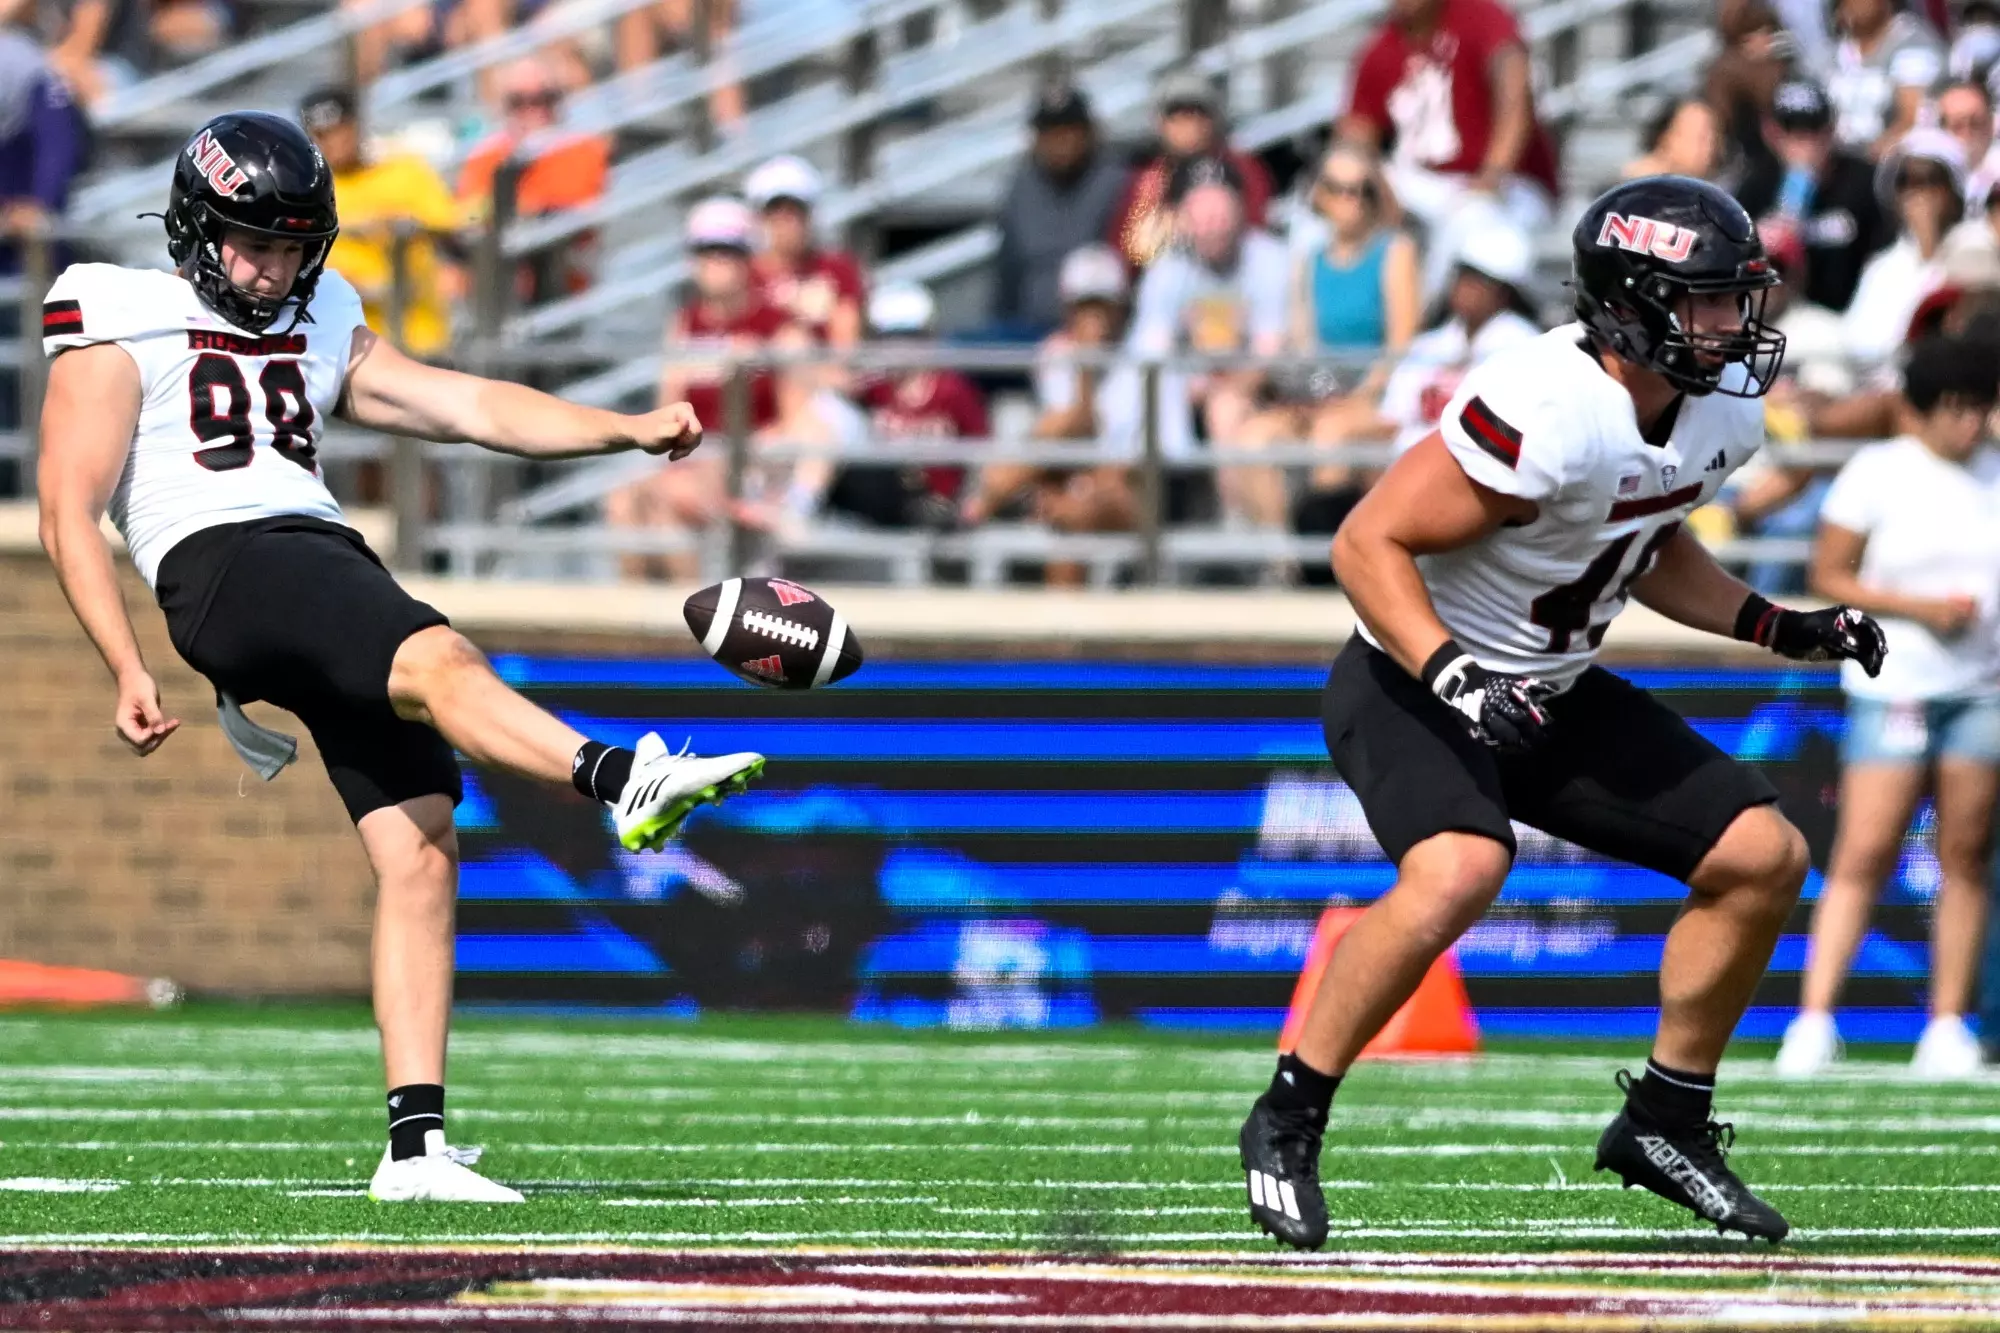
[(1484, 568), (192, 403)]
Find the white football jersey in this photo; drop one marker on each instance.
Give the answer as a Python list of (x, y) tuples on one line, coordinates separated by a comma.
[(1543, 421), (230, 422)]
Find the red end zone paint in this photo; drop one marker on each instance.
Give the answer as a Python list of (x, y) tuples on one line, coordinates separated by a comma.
[(425, 1289)]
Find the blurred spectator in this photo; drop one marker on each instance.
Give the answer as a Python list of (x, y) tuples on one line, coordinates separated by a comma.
[(423, 31), (1925, 175), (821, 289), (569, 170), (1884, 67), (1975, 43), (1356, 296), (1911, 534), (1740, 85), (724, 314), (1190, 126), (102, 46), (1772, 496), (1684, 139), (1965, 112), (1485, 309), (1220, 289), (1097, 498), (1062, 197), (376, 198), (914, 405), (647, 33), (41, 144), (1450, 80), (1829, 191)]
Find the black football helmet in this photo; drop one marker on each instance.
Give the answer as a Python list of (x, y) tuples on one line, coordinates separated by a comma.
[(1645, 245), (259, 173)]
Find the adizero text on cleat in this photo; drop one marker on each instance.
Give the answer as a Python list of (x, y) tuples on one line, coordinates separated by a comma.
[(1280, 1155), (1688, 1166)]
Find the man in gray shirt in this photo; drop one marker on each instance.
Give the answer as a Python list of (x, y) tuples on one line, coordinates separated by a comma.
[(1220, 288), (1884, 67), (1061, 199)]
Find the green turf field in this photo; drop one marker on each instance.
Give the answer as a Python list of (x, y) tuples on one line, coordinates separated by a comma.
[(220, 1125)]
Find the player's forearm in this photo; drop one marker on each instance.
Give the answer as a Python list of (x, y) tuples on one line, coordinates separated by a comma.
[(1387, 591), (1686, 585), (514, 419), (89, 577)]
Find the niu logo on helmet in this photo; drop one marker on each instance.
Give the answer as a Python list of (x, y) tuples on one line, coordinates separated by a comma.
[(1647, 236), (213, 161)]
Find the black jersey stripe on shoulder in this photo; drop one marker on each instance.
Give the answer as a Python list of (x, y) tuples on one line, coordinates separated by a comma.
[(61, 317), (1490, 433)]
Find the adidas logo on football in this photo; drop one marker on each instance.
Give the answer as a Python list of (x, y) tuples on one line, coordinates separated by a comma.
[(768, 668), (789, 594), (1717, 463)]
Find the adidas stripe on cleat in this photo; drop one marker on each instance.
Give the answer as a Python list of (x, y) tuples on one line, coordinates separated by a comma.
[(1280, 1155), (1688, 1166), (665, 788)]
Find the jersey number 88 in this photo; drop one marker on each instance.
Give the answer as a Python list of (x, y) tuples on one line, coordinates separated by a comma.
[(220, 410)]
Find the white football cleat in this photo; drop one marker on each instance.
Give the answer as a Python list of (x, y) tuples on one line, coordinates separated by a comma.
[(1812, 1046), (1947, 1050), (442, 1175), (665, 787)]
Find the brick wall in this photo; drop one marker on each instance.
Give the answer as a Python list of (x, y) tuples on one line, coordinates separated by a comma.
[(182, 864)]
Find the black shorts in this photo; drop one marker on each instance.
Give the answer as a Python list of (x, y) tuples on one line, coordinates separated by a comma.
[(1621, 774), (299, 613)]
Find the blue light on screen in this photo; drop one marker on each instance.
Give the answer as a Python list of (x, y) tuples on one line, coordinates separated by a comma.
[(1163, 860)]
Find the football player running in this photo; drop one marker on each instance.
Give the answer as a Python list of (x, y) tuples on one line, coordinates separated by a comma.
[(1484, 568), (191, 404)]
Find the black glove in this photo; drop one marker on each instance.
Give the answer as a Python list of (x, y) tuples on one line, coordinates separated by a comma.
[(1499, 710), (1839, 633)]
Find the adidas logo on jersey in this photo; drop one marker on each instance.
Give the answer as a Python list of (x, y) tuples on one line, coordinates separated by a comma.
[(1717, 463)]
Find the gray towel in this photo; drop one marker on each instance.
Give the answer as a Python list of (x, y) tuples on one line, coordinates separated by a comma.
[(267, 752)]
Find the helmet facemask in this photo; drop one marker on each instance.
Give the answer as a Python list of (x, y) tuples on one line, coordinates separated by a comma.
[(201, 243), (1645, 326)]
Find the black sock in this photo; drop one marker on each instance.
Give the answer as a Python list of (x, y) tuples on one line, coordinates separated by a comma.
[(1297, 1086), (1673, 1097), (599, 771), (414, 1110)]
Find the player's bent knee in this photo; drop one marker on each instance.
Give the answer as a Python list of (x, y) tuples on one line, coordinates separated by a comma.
[(426, 665), (1455, 875), (1761, 851)]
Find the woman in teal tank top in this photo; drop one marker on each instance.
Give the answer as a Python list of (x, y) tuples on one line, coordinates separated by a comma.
[(1356, 300)]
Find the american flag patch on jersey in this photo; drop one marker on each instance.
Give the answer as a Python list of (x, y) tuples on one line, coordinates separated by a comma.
[(1490, 433), (61, 317)]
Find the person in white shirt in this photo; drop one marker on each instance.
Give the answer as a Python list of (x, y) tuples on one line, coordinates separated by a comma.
[(1884, 66), (1923, 180), (1910, 532)]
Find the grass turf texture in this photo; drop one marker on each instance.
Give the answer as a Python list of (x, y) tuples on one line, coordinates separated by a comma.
[(226, 1125)]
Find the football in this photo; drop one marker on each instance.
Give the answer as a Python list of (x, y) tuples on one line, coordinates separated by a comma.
[(773, 633)]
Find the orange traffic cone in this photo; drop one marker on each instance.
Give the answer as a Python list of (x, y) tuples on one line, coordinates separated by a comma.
[(41, 984), (1436, 1020)]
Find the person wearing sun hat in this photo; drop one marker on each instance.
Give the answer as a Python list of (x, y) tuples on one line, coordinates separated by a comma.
[(822, 288), (1923, 178)]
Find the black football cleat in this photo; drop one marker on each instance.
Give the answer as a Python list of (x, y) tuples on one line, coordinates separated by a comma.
[(1688, 1167), (1280, 1151)]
